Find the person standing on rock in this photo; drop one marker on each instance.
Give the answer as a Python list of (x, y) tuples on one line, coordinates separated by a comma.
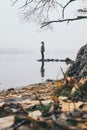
[(42, 50)]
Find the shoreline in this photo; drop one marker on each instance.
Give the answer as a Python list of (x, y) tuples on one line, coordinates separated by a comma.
[(23, 91), (39, 104)]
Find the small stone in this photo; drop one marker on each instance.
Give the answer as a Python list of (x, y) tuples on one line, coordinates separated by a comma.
[(83, 107), (35, 114), (45, 102), (6, 122)]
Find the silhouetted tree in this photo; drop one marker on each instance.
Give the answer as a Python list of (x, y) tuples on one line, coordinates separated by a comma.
[(47, 12)]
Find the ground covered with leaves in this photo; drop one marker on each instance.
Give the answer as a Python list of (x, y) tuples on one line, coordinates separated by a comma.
[(55, 105)]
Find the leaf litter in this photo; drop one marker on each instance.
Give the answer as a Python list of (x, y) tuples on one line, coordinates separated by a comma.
[(55, 105)]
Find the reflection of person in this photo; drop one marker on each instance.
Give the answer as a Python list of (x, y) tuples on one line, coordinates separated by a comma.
[(42, 50), (42, 69)]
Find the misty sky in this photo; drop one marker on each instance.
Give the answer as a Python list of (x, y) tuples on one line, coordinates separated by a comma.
[(17, 34)]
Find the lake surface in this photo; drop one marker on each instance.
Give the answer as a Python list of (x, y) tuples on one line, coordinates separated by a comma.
[(23, 69)]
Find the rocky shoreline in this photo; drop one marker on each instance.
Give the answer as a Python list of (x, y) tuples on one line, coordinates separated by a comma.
[(78, 68), (36, 107)]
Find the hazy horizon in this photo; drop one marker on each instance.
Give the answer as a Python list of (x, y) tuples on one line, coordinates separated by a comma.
[(14, 33)]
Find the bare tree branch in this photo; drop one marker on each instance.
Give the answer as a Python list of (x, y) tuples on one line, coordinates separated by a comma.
[(82, 10), (13, 2), (63, 20), (42, 11), (66, 6), (27, 2), (59, 4)]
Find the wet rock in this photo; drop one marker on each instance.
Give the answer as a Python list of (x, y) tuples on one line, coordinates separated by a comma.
[(76, 114), (84, 115), (8, 109), (45, 102), (10, 89), (1, 104), (63, 118), (78, 69), (35, 114), (83, 107), (9, 100), (6, 122), (68, 61), (49, 80)]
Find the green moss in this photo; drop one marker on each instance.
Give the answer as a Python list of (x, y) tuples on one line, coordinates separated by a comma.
[(43, 108), (64, 91), (72, 122)]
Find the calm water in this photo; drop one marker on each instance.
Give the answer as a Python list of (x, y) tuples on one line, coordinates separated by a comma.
[(23, 69)]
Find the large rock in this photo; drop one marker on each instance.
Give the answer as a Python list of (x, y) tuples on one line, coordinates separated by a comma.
[(79, 67)]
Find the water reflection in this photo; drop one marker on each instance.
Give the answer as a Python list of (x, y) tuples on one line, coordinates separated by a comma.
[(42, 70)]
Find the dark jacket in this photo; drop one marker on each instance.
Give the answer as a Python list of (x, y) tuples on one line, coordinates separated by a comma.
[(42, 48)]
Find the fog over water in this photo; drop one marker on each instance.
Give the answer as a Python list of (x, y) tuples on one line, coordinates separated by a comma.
[(23, 69)]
